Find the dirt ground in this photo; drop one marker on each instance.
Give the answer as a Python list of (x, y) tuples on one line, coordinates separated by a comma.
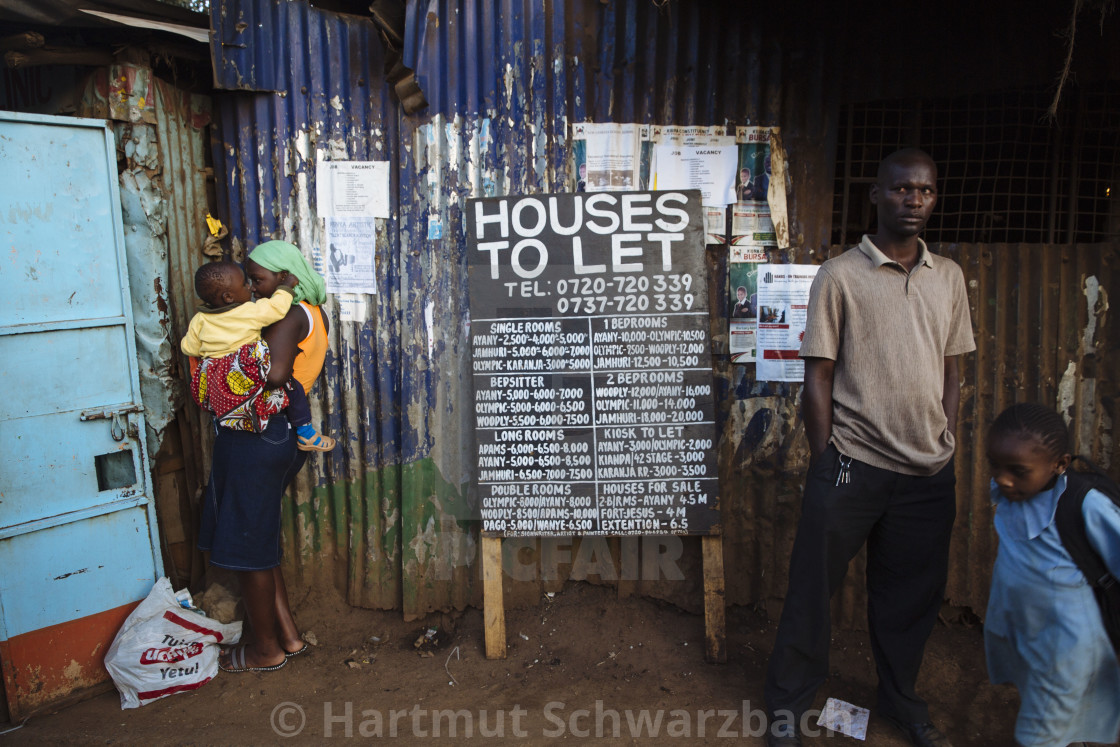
[(578, 664)]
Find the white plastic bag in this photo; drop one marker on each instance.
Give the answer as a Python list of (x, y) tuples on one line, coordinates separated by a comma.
[(163, 648)]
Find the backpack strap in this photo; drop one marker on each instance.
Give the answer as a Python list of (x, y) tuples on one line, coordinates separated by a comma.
[(1070, 522)]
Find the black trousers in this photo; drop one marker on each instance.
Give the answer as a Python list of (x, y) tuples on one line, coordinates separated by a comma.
[(906, 522)]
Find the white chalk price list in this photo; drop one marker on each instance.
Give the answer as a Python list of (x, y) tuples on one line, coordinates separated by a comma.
[(597, 425)]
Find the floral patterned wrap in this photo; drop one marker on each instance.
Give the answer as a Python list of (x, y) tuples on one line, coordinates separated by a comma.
[(232, 388)]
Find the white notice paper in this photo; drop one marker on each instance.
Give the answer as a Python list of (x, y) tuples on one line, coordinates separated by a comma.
[(680, 133), (352, 189), (351, 308), (715, 225), (751, 224), (349, 255), (708, 168), (742, 340), (845, 718), (613, 154), (783, 298)]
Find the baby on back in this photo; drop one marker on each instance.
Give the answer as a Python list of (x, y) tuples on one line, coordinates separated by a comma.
[(226, 335), (230, 318)]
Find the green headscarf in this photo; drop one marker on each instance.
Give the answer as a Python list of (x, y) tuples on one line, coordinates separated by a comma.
[(279, 256)]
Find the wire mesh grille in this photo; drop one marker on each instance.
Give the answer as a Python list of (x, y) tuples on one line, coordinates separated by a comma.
[(1006, 174)]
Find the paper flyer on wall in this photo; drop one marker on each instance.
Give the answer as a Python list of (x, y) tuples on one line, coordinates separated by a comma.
[(750, 219), (783, 298), (751, 225), (743, 338), (352, 189), (705, 163), (743, 302), (352, 308), (748, 253), (715, 225), (348, 258), (665, 133), (611, 157)]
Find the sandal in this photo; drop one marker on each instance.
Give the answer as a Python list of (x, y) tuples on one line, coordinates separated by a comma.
[(237, 661), (290, 654), (318, 442)]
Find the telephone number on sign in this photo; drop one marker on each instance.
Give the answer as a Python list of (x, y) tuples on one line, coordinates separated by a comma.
[(627, 284), (626, 304)]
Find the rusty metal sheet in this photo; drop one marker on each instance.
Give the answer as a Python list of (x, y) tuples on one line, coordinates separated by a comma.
[(1043, 334), (161, 142), (344, 517), (1040, 315), (162, 137), (391, 516), (499, 124)]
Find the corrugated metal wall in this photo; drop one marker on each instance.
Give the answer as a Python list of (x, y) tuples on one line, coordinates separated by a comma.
[(182, 131), (499, 123), (533, 67), (376, 517), (505, 80), (161, 144), (1043, 334)]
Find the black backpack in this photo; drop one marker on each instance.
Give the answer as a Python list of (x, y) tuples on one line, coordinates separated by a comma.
[(1071, 528)]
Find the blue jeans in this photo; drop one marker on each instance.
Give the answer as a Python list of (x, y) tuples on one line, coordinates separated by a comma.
[(240, 523)]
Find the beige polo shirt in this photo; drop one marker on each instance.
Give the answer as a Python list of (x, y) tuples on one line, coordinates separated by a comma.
[(889, 332)]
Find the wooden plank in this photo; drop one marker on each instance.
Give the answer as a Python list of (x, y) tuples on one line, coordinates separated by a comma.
[(167, 507), (715, 625), (494, 613)]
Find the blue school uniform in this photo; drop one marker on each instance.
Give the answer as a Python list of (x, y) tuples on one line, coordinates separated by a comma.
[(1043, 631)]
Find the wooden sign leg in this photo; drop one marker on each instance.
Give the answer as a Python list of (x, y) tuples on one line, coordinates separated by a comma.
[(715, 624), (493, 606)]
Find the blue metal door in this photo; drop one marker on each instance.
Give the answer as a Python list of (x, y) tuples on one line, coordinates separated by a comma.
[(78, 543)]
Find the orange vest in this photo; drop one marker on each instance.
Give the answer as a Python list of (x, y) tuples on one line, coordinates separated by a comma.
[(312, 349)]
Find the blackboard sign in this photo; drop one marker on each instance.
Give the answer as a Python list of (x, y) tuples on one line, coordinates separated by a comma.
[(591, 365)]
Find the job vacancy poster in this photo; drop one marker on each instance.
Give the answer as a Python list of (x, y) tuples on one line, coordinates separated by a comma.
[(591, 365)]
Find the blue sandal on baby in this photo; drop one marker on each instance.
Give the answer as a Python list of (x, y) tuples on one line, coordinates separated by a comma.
[(316, 442)]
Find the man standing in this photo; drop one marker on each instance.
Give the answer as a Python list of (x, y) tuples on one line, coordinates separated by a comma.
[(886, 322)]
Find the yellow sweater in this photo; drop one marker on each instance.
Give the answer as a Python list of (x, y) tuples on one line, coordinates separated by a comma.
[(219, 332)]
